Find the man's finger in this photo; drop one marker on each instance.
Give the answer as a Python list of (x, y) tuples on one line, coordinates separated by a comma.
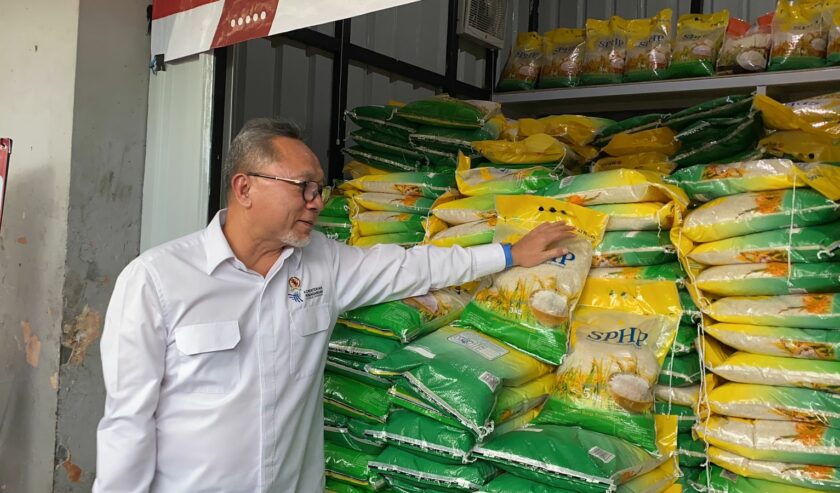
[(558, 252)]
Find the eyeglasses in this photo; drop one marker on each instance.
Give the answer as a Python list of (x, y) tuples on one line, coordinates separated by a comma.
[(310, 189)]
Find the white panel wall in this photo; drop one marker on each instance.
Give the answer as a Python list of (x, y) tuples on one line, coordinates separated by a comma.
[(178, 150)]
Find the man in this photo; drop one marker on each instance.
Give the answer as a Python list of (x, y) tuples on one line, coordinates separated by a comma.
[(214, 344)]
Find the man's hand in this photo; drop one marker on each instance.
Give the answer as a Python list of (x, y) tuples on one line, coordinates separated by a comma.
[(535, 247)]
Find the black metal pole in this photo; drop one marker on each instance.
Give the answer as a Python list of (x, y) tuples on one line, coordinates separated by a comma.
[(534, 15), (696, 6), (214, 199), (338, 126), (451, 77)]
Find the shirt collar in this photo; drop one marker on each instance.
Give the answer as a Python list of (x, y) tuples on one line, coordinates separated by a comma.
[(217, 246)]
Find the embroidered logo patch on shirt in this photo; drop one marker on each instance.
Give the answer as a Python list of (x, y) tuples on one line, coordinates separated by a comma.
[(294, 290)]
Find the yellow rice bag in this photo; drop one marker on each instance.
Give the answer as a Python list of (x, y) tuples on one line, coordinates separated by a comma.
[(535, 149), (523, 65), (357, 169), (649, 161), (800, 35), (562, 57), (572, 129), (662, 140), (821, 112), (801, 146), (648, 47), (603, 60), (619, 186), (465, 210), (696, 46), (643, 216)]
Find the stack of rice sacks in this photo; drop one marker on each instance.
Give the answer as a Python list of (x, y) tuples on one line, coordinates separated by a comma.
[(334, 220), (759, 252)]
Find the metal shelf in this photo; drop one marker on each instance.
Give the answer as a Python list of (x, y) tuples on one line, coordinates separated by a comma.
[(668, 94)]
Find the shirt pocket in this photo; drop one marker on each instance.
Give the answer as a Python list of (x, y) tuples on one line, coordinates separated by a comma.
[(310, 337), (208, 361)]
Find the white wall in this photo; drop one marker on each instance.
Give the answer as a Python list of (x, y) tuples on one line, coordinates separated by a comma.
[(176, 183), (37, 69)]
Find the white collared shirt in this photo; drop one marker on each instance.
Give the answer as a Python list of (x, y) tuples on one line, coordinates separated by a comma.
[(214, 373)]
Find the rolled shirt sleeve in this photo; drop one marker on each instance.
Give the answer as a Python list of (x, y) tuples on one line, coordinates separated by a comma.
[(133, 349), (389, 272)]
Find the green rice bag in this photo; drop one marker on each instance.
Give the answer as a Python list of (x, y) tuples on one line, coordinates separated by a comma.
[(800, 475), (466, 235), (684, 343), (344, 437), (664, 272), (409, 318), (808, 311), (722, 481), (333, 223), (705, 182), (382, 119), (479, 364), (455, 139), (777, 441), (633, 248), (391, 202), (466, 210), (335, 486), (337, 234), (724, 107), (399, 463), (514, 401), (769, 279), (427, 437), (777, 370), (686, 417), (354, 398), (504, 181), (688, 480), (681, 396), (630, 125), (384, 160), (719, 138), (355, 369), (800, 245), (445, 111), (691, 314), (757, 401), (605, 383), (755, 212), (567, 457), (696, 44), (407, 239), (350, 466), (691, 452), (372, 223), (680, 371), (336, 206), (779, 341), (404, 396), (429, 185), (382, 142), (508, 483)]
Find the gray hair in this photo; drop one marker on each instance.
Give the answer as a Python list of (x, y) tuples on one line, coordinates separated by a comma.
[(253, 147)]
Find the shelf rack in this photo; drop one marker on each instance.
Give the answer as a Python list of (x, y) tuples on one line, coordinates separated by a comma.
[(668, 94)]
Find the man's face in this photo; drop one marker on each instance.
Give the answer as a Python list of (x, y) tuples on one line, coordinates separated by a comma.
[(279, 207)]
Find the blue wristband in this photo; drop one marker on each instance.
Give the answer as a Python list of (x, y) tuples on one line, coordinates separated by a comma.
[(508, 255)]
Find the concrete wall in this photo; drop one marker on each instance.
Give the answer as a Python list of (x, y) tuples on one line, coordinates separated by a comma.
[(103, 222), (37, 82), (73, 77)]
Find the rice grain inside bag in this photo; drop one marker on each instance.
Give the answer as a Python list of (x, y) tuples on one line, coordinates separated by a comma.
[(621, 186), (618, 343), (769, 279), (706, 182), (777, 370), (466, 210), (466, 235), (528, 308)]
